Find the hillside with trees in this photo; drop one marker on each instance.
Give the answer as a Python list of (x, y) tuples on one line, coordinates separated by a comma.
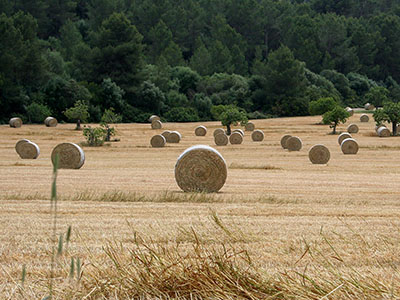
[(178, 59)]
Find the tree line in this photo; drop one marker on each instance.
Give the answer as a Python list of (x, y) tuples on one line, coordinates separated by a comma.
[(179, 59)]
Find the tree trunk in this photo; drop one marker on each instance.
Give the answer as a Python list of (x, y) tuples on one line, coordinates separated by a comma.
[(108, 136), (78, 125), (228, 129), (334, 128), (394, 128)]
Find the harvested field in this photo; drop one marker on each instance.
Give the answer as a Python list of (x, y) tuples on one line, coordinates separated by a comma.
[(337, 224)]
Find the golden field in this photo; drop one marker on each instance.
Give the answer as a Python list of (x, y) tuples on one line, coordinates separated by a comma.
[(311, 231)]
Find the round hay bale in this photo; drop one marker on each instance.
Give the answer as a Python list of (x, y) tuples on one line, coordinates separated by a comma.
[(239, 131), (158, 141), (166, 133), (350, 111), (319, 154), (257, 135), (294, 143), (249, 126), (28, 150), (383, 132), (349, 146), (200, 130), (19, 144), (377, 127), (156, 124), (284, 140), (352, 128), (343, 136), (218, 131), (154, 118), (70, 156), (50, 122), (174, 137), (364, 118), (15, 122), (236, 138), (200, 169), (369, 106), (221, 139)]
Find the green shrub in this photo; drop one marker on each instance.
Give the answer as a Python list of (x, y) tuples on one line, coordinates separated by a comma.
[(321, 106), (37, 112), (94, 136), (182, 114)]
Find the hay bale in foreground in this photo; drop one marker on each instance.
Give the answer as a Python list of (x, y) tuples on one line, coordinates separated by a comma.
[(27, 150), (249, 126), (218, 131), (158, 141), (284, 140), (15, 122), (383, 132), (352, 128), (236, 138), (50, 122), (174, 137), (294, 143), (319, 154), (350, 111), (221, 139), (154, 118), (70, 156), (200, 130), (349, 146), (343, 136), (200, 169), (239, 131), (364, 118), (257, 135), (156, 124), (166, 133)]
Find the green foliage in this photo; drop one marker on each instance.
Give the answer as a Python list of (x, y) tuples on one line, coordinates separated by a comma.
[(182, 114), (109, 117), (379, 116), (229, 115), (321, 106), (37, 112), (94, 136), (391, 114), (79, 112), (377, 96), (335, 116)]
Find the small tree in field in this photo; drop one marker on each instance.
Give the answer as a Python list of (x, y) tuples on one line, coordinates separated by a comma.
[(229, 115), (391, 114), (110, 117), (334, 117), (79, 113)]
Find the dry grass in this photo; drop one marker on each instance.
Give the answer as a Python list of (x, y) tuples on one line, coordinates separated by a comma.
[(281, 228)]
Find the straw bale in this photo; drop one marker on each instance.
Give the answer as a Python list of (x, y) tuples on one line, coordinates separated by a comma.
[(166, 133), (15, 122), (154, 118), (352, 128), (158, 141), (343, 136), (200, 169), (221, 139), (319, 154), (383, 132), (156, 124), (218, 131), (240, 131), (294, 143), (257, 135), (350, 111), (174, 137), (70, 156), (200, 130), (249, 126), (364, 118), (27, 150), (349, 146), (284, 140), (50, 122), (236, 138)]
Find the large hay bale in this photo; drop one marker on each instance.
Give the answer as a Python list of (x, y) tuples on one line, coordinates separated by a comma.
[(249, 126), (352, 128), (158, 141), (294, 143), (200, 169), (343, 136), (50, 122), (319, 154), (166, 133), (221, 139), (15, 122), (200, 130), (70, 156), (154, 118), (236, 138), (174, 137), (156, 124), (284, 140), (364, 118), (350, 111), (257, 135), (218, 131), (27, 150), (383, 132), (349, 146), (239, 131)]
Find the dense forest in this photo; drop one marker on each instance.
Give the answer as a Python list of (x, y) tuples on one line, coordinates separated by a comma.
[(179, 58)]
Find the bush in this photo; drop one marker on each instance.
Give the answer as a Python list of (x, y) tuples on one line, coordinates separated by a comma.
[(321, 106), (182, 114), (37, 112), (94, 136)]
